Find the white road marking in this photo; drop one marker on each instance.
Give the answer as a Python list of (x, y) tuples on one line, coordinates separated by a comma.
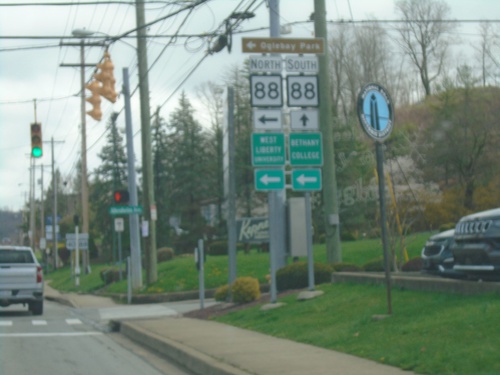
[(51, 334), (39, 322), (73, 321), (5, 323)]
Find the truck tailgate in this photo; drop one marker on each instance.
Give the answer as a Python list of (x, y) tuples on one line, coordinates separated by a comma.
[(18, 276)]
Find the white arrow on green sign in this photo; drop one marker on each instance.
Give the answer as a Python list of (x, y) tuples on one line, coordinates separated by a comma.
[(306, 179), (124, 210), (305, 149), (269, 179)]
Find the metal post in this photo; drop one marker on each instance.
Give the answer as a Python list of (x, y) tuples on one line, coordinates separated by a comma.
[(135, 244), (231, 193), (201, 273), (77, 257), (381, 191), (310, 258)]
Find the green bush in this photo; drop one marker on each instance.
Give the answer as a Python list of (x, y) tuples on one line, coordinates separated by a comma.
[(346, 267), (446, 226), (165, 254), (217, 248), (245, 289), (376, 265), (295, 275), (111, 275), (413, 265), (222, 293)]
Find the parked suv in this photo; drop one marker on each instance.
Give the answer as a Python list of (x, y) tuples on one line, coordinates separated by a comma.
[(476, 249), (21, 278), (436, 253)]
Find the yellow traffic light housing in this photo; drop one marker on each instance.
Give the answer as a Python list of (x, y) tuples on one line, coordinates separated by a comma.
[(95, 88), (106, 77), (36, 140)]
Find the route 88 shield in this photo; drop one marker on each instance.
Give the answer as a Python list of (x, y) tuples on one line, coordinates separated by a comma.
[(266, 90)]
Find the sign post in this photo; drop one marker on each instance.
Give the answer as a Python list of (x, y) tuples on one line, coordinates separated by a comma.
[(377, 120)]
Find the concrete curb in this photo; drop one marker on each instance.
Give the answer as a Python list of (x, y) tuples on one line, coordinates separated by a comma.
[(191, 359)]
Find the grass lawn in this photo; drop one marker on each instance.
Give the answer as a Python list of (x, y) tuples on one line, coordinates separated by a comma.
[(429, 333)]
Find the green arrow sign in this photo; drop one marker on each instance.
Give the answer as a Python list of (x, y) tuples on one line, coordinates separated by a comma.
[(306, 179), (268, 149), (305, 149), (269, 179), (124, 210)]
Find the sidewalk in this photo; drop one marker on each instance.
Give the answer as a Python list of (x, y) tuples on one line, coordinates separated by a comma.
[(211, 348)]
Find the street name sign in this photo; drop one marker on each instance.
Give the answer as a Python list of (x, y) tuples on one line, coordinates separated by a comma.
[(301, 64), (283, 45), (267, 119), (302, 90), (83, 241), (305, 149), (304, 119), (265, 64), (124, 210), (306, 179), (268, 149), (269, 179), (266, 90)]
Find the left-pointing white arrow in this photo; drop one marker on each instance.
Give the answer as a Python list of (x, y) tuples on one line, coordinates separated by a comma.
[(302, 179), (251, 45), (266, 179)]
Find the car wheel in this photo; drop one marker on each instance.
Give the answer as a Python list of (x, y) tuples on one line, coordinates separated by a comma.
[(36, 307)]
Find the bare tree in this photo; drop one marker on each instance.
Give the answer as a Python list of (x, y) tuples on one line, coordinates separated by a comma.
[(425, 36), (487, 52)]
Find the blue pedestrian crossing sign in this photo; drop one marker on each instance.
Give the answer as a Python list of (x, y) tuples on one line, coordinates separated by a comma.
[(375, 111)]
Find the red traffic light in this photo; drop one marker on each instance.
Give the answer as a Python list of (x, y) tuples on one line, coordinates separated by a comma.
[(120, 196)]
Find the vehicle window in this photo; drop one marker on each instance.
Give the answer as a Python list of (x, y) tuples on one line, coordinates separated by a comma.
[(15, 256)]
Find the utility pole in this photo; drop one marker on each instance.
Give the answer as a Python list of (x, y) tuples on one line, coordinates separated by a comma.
[(54, 207), (147, 164), (331, 206), (84, 177)]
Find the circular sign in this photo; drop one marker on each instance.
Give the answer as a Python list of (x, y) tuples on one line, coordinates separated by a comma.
[(375, 111)]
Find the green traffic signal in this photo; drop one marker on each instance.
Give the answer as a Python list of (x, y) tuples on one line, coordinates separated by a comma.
[(36, 152)]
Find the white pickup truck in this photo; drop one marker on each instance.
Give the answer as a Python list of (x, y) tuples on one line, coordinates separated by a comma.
[(21, 278)]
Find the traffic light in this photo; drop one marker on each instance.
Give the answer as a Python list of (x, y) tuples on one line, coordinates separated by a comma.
[(107, 79), (36, 140), (94, 87), (120, 196)]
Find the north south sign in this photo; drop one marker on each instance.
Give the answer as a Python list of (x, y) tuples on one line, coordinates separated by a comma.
[(375, 111)]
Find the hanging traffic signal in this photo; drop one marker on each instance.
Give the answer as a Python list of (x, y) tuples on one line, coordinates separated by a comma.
[(121, 196), (107, 79), (94, 87), (36, 140)]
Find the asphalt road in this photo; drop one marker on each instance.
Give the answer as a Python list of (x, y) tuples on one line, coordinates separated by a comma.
[(63, 341)]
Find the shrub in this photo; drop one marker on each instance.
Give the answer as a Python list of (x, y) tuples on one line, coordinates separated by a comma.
[(346, 267), (376, 265), (295, 275), (217, 248), (413, 265), (446, 226), (222, 293), (245, 289), (164, 254), (111, 275)]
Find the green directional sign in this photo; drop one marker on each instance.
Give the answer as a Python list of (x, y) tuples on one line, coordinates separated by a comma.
[(269, 179), (305, 149), (124, 210), (306, 179), (268, 149)]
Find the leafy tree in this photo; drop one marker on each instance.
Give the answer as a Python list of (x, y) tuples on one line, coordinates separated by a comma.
[(109, 176)]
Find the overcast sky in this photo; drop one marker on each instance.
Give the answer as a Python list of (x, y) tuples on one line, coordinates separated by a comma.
[(28, 73)]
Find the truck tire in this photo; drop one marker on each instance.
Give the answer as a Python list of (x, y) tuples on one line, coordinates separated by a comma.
[(36, 307)]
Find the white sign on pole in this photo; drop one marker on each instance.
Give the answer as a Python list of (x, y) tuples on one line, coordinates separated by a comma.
[(119, 224), (301, 64), (304, 119), (302, 91), (83, 241), (266, 91), (265, 64), (264, 119)]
